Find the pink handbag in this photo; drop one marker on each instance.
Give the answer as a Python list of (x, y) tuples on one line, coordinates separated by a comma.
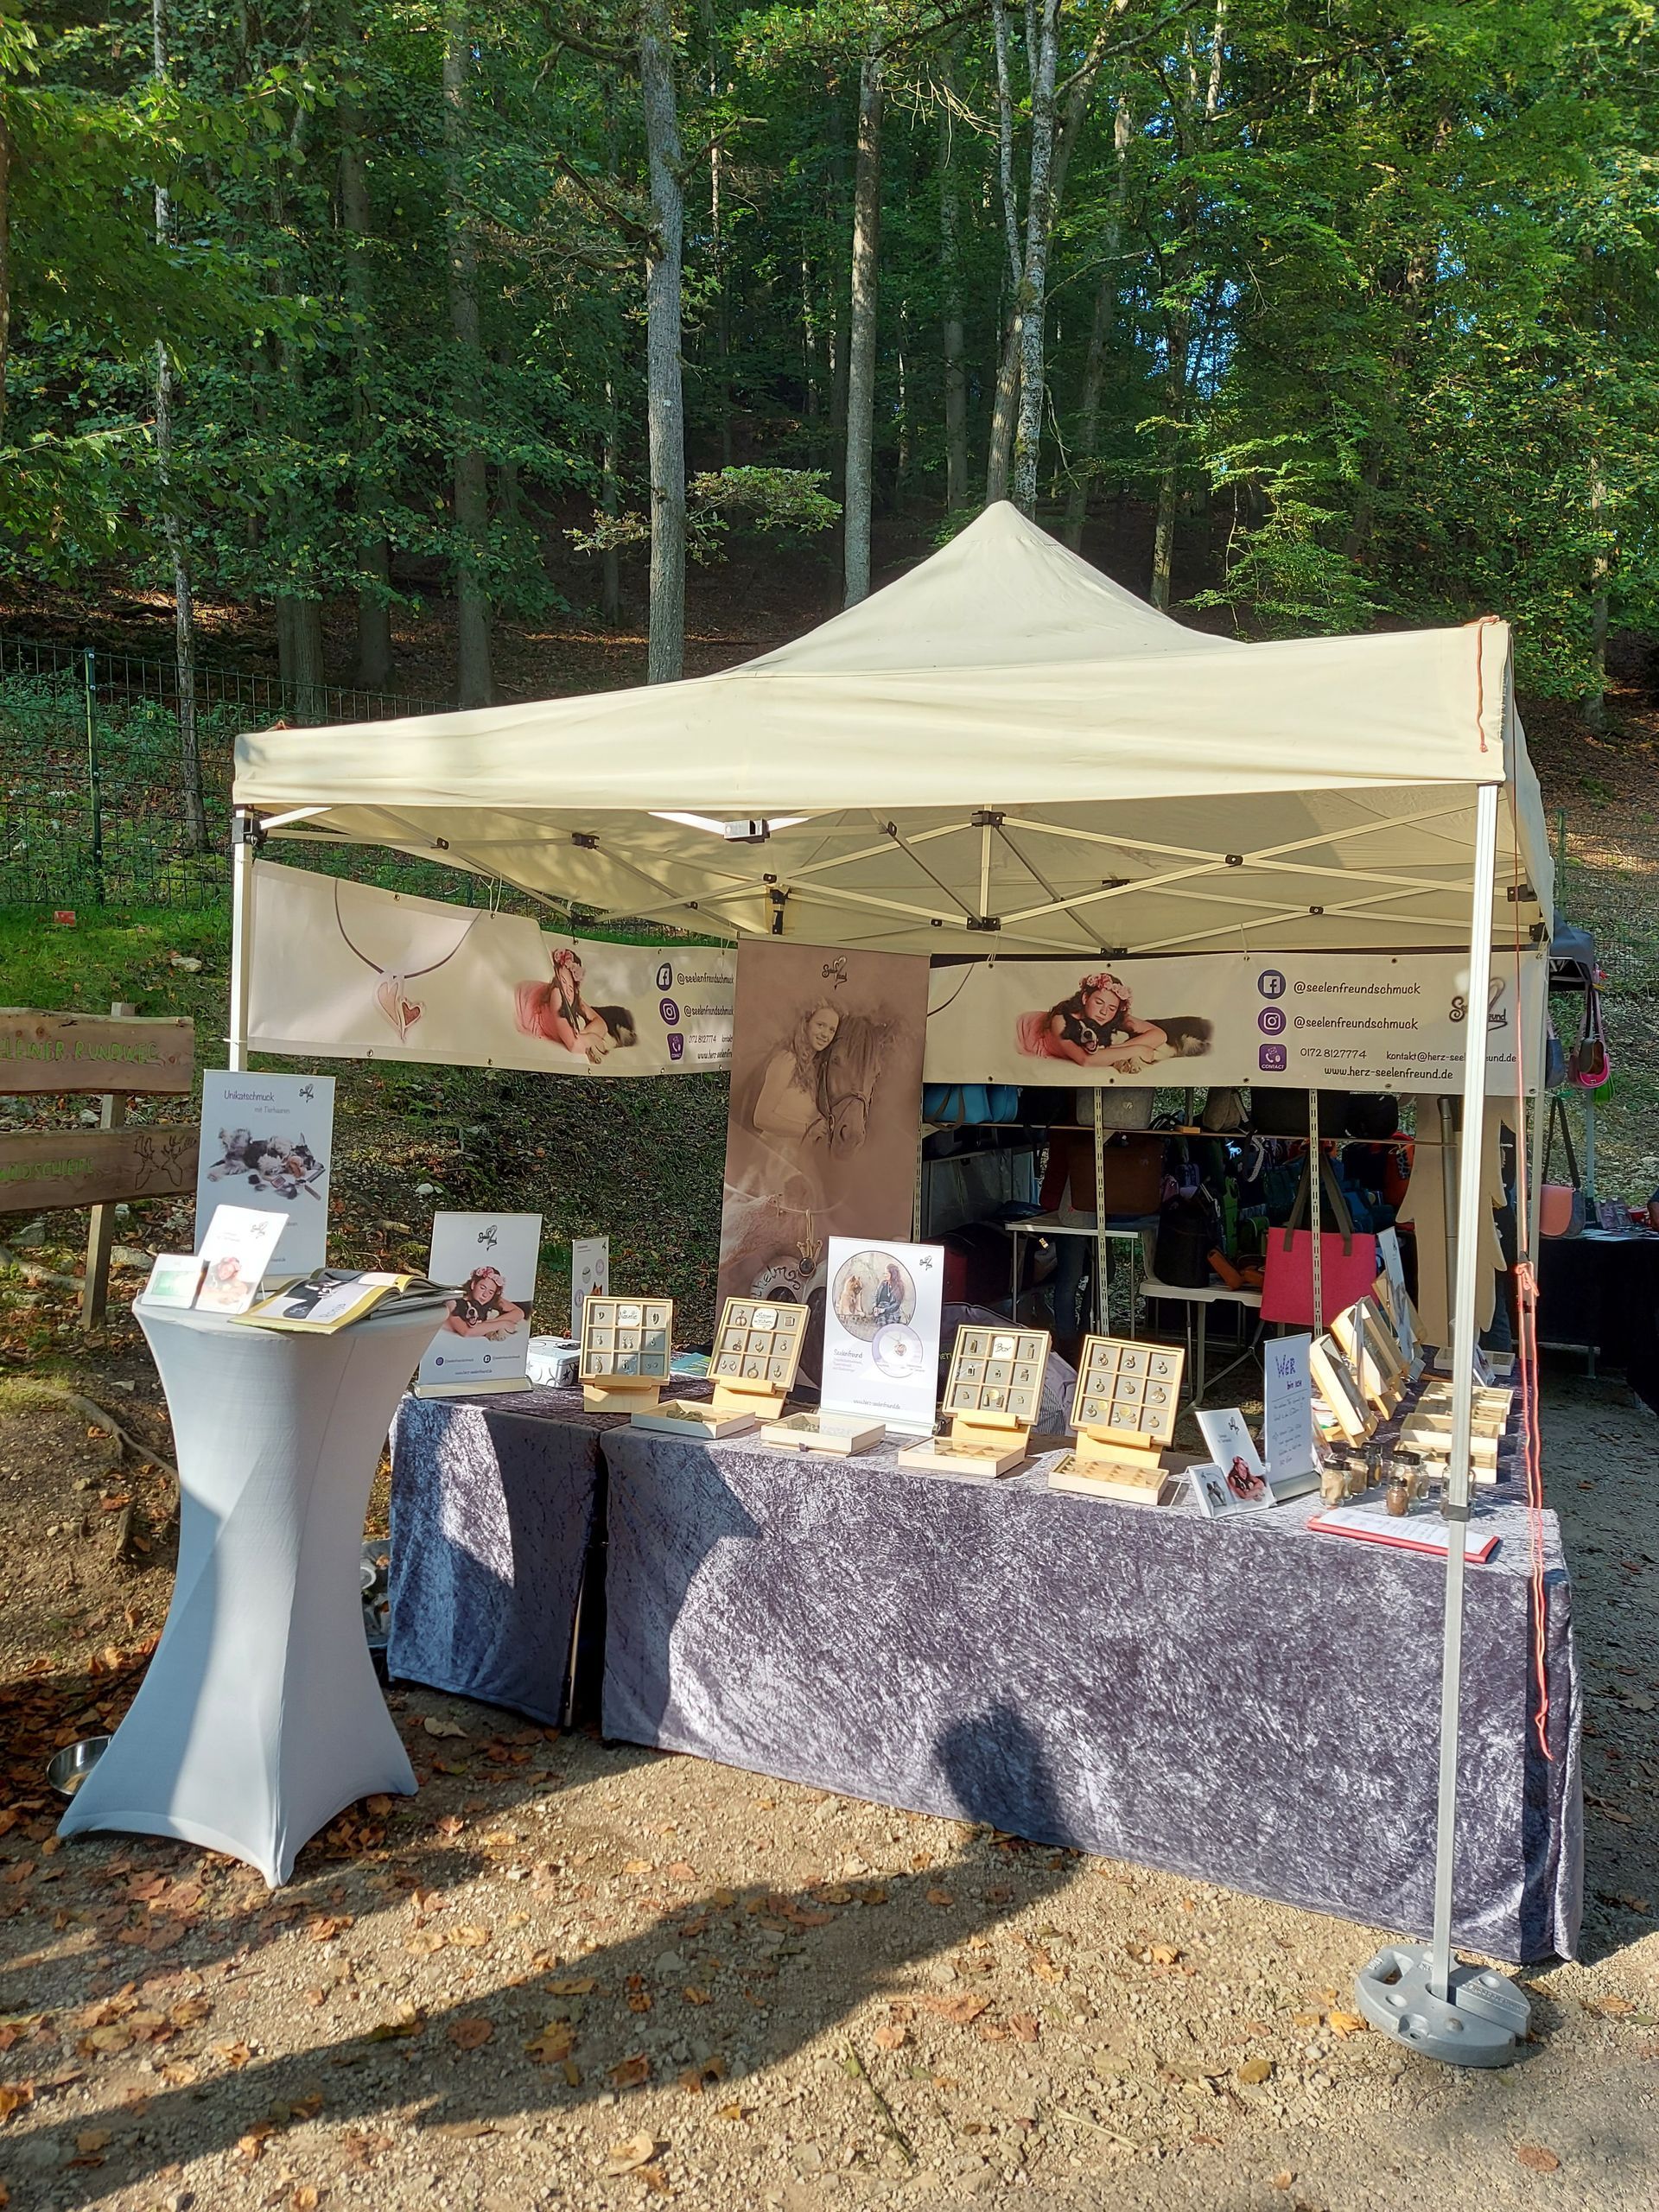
[(1348, 1260)]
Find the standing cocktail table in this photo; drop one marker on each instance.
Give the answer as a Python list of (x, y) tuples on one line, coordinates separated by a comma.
[(260, 1716)]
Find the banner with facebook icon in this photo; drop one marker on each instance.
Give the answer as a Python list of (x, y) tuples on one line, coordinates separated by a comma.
[(346, 971), (1355, 1021)]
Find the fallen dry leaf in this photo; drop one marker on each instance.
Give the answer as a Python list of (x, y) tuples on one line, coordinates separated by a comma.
[(407, 2020), (631, 2072), (14, 2095), (556, 2040), (694, 1996), (306, 2197), (891, 2038), (436, 1727), (579, 1985), (93, 2138), (960, 2011), (423, 1942), (470, 1937), (1255, 2071), (1283, 2180), (730, 2112), (1611, 2007), (1023, 2026), (328, 1925), (627, 2158), (234, 2054), (471, 2033), (636, 1866), (1536, 2155), (1344, 2023)]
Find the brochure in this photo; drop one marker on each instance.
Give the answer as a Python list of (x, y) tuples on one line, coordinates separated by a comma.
[(266, 1142), (319, 1303), (482, 1341), (1222, 1492), (590, 1275), (881, 1324), (234, 1255), (174, 1278)]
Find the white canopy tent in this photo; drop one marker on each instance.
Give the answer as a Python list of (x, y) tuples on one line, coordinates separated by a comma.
[(1004, 752), (1004, 744)]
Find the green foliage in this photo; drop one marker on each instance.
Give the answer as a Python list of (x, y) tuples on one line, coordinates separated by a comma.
[(1370, 291)]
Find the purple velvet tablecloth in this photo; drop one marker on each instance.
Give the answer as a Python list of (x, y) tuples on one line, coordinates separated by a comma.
[(492, 1504), (1248, 1703)]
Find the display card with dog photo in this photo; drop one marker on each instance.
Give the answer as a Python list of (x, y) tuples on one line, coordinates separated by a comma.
[(483, 1339), (266, 1143)]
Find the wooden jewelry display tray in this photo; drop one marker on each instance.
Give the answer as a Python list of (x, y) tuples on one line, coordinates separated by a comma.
[(993, 1395), (626, 1352), (1123, 1411), (757, 1355)]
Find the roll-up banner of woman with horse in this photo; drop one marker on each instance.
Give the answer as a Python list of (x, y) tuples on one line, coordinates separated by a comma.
[(826, 1102)]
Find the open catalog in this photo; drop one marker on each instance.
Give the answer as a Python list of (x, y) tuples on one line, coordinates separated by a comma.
[(333, 1298)]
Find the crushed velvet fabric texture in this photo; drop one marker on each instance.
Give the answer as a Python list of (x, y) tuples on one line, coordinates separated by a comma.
[(1247, 1703), (493, 1503)]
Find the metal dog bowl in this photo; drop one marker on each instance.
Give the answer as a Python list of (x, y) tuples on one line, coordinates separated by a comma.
[(71, 1766)]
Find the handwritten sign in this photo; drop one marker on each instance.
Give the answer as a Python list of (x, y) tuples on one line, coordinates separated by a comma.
[(1287, 1415), (128, 1053), (89, 1167)]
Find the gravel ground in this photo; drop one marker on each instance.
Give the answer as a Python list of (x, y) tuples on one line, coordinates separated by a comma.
[(578, 1975)]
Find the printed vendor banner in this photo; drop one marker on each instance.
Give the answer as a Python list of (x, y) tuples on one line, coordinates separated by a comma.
[(1357, 1021), (266, 1143), (345, 971), (825, 1109)]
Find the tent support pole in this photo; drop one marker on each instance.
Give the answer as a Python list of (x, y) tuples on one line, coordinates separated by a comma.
[(1465, 2015), (1102, 1319), (244, 843)]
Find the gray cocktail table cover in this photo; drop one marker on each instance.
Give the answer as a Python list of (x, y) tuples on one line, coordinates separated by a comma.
[(259, 1717), (491, 1508), (1246, 1702)]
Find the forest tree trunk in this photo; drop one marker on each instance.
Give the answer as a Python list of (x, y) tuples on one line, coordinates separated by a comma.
[(5, 257), (373, 599), (951, 331), (664, 389), (999, 458), (610, 503), (184, 626), (1087, 434), (475, 680), (861, 352), (1033, 291)]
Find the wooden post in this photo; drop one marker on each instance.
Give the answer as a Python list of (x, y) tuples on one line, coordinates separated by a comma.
[(100, 1235)]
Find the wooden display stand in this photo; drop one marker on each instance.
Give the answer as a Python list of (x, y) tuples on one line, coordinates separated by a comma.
[(626, 1353), (841, 1435), (1375, 1360), (1124, 1411), (757, 1355), (993, 1395)]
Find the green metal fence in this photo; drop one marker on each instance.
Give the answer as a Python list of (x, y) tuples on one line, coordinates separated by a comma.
[(91, 784)]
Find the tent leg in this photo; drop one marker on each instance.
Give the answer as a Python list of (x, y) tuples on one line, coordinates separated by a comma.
[(244, 843), (1465, 2015)]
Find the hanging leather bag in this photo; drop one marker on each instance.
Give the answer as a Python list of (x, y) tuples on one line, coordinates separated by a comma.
[(1561, 1205), (1349, 1261), (1588, 1068)]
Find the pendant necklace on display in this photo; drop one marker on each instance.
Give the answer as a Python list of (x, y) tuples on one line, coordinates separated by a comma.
[(389, 994)]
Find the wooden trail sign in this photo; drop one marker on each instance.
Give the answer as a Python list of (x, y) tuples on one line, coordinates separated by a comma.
[(90, 1168), (117, 1054), (108, 1052)]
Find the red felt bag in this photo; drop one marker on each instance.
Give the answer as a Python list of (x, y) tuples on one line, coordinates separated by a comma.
[(1349, 1261)]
